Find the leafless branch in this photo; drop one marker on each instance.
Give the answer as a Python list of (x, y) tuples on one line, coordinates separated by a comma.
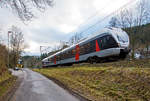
[(25, 8)]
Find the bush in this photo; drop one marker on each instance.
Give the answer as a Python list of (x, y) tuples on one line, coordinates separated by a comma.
[(3, 59)]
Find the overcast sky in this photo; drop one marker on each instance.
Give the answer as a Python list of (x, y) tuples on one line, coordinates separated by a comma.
[(59, 22)]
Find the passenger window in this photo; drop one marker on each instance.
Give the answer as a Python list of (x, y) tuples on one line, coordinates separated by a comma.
[(108, 38), (104, 42), (112, 43), (92, 46)]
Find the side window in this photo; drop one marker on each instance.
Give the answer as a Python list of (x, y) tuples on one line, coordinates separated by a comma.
[(65, 55), (106, 42), (100, 43), (58, 57), (50, 60), (69, 54), (111, 42), (92, 46), (62, 56), (103, 42), (86, 48), (81, 50)]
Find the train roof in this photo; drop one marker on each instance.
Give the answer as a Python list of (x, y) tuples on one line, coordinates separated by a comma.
[(108, 30)]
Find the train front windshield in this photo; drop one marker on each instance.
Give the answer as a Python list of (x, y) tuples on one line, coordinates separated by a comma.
[(122, 37)]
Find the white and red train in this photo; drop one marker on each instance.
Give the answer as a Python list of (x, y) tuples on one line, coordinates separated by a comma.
[(105, 44)]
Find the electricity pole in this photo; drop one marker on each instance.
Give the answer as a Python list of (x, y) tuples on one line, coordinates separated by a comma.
[(8, 46), (41, 51)]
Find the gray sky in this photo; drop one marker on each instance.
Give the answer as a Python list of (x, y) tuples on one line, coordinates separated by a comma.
[(59, 22)]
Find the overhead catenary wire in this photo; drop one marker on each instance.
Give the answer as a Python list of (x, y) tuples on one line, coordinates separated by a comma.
[(109, 15), (95, 14)]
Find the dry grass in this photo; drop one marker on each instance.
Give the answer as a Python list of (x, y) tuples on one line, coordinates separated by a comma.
[(106, 82), (4, 76), (6, 81)]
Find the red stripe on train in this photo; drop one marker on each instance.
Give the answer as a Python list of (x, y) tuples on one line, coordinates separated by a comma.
[(97, 47), (77, 52), (55, 60)]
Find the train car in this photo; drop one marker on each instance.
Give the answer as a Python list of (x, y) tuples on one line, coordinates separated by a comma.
[(109, 43)]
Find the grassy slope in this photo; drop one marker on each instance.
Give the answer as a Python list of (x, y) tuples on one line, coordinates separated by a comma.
[(118, 81), (6, 81)]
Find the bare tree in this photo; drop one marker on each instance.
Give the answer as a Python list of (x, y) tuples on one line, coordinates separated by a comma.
[(17, 44), (114, 22), (136, 16), (25, 8), (75, 39), (122, 18), (129, 18), (62, 45), (143, 13)]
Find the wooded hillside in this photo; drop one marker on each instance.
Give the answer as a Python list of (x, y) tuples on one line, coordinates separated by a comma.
[(141, 40)]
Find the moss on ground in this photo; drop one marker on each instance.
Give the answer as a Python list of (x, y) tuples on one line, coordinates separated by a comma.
[(117, 81)]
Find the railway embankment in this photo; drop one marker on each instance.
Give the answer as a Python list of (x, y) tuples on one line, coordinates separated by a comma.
[(114, 81)]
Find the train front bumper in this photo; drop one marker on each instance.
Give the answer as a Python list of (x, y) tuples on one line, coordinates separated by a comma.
[(125, 51)]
